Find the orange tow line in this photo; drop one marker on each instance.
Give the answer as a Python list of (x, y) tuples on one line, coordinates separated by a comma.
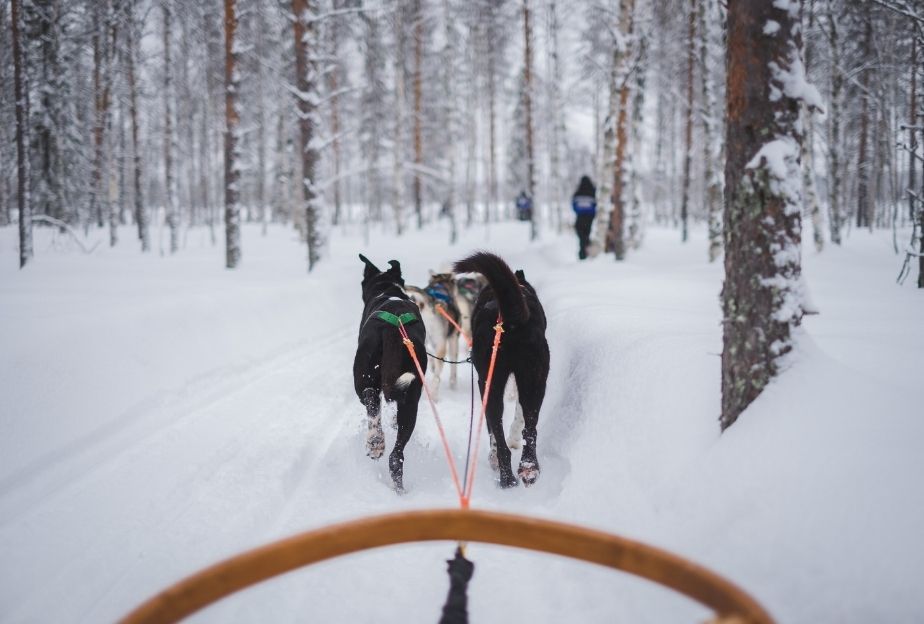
[(465, 494), (452, 321)]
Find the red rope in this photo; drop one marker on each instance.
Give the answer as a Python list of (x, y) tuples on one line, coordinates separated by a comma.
[(442, 310), (470, 477), (463, 501)]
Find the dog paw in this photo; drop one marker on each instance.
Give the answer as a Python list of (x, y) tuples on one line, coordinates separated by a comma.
[(507, 482), (375, 444), (528, 472), (492, 457)]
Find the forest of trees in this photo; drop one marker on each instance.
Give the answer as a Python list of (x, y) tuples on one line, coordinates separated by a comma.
[(182, 114), (746, 116)]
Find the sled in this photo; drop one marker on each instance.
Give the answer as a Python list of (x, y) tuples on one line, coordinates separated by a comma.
[(729, 602)]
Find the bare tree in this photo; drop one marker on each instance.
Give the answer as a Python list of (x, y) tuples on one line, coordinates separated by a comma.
[(232, 153), (23, 200), (688, 136), (306, 87), (169, 190), (615, 237), (528, 80)]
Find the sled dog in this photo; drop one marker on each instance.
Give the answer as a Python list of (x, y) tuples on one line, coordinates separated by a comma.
[(523, 353), (383, 366), (442, 336)]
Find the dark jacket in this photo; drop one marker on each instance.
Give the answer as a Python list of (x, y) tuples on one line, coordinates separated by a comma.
[(584, 200)]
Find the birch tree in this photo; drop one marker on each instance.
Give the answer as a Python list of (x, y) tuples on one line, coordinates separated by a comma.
[(232, 151)]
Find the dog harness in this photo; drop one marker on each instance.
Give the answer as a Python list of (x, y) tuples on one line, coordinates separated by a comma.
[(394, 319), (439, 292)]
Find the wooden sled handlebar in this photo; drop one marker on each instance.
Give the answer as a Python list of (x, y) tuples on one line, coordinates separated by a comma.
[(730, 603)]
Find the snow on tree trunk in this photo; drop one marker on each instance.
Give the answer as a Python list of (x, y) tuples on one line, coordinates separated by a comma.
[(761, 296), (615, 236), (232, 149), (333, 84), (635, 221), (23, 200), (307, 84), (713, 181), (688, 135), (556, 117), (528, 102)]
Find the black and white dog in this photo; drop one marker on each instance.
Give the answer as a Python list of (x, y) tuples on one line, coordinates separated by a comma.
[(383, 364), (523, 353)]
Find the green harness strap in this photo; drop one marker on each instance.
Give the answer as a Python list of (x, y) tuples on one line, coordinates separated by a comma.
[(392, 319)]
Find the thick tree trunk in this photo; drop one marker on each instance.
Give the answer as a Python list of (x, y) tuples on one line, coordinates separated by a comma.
[(528, 105), (23, 200), (306, 82), (232, 119), (688, 136), (761, 296)]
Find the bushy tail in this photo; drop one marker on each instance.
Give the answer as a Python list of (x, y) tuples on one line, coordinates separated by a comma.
[(503, 282)]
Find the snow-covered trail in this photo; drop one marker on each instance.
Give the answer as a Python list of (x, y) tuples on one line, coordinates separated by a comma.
[(177, 415)]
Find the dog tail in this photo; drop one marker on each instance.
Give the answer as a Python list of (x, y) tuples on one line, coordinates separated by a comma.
[(502, 280)]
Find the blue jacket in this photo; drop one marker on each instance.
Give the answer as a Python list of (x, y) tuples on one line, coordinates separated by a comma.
[(582, 204)]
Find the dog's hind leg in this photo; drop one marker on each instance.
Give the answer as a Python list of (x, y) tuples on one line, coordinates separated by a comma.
[(407, 420), (515, 435), (532, 392), (375, 437), (454, 356), (495, 422)]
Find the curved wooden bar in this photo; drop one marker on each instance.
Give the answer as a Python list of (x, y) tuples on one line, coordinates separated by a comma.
[(249, 568)]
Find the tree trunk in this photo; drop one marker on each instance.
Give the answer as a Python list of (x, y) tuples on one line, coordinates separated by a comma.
[(808, 154), (556, 118), (23, 200), (169, 190), (232, 164), (615, 240), (333, 84), (688, 136), (141, 212), (398, 147), (528, 104), (711, 178), (761, 296), (834, 127), (864, 202), (306, 81), (418, 112), (912, 122)]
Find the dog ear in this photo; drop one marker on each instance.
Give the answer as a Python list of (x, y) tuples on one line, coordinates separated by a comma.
[(521, 276), (371, 269), (395, 270)]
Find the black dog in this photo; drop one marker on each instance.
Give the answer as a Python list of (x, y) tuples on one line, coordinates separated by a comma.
[(523, 353), (383, 364)]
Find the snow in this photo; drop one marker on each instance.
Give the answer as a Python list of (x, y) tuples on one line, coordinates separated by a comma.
[(163, 413)]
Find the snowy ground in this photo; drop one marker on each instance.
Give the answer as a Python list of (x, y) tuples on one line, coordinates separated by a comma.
[(159, 414)]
